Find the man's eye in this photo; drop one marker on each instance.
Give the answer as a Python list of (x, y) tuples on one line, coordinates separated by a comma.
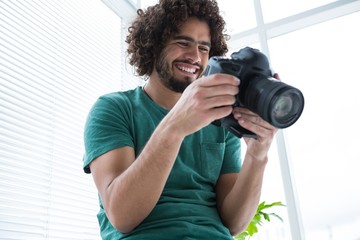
[(204, 49), (184, 44)]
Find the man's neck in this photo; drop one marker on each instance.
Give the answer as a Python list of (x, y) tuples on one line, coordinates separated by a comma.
[(160, 94)]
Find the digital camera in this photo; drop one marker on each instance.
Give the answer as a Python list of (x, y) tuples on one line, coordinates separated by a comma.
[(277, 103)]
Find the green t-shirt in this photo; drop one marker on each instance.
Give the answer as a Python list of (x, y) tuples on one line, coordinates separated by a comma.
[(187, 206)]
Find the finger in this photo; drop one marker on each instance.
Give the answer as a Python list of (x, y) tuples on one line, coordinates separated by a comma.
[(252, 121), (265, 134), (276, 75), (220, 90), (220, 101), (218, 79), (243, 111), (220, 112)]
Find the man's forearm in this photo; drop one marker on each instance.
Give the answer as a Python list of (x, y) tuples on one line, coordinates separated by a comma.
[(133, 194), (240, 204)]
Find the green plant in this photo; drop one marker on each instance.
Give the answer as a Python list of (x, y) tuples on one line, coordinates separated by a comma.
[(257, 220)]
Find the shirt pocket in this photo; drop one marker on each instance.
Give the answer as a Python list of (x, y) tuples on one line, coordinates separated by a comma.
[(212, 155)]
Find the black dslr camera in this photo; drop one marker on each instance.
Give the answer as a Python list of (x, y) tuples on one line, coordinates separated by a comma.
[(276, 102)]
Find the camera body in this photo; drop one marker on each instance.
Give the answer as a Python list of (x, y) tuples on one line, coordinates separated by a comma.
[(274, 101)]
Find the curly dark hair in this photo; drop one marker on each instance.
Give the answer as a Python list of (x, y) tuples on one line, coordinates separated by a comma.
[(153, 27)]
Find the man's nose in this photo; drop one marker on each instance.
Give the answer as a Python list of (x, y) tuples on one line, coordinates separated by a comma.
[(193, 54)]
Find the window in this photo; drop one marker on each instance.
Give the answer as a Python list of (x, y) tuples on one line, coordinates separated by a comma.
[(278, 9), (320, 60), (56, 58), (314, 50)]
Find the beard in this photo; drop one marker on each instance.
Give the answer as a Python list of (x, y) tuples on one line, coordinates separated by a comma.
[(167, 78)]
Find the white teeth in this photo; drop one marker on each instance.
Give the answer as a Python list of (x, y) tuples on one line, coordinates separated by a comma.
[(189, 70)]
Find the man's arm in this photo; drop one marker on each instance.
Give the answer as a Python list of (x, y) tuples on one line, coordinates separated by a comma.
[(238, 206), (238, 194), (130, 188)]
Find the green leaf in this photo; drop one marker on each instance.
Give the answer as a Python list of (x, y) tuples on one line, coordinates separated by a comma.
[(276, 204), (277, 216), (241, 236), (252, 228), (256, 219), (261, 206), (266, 216)]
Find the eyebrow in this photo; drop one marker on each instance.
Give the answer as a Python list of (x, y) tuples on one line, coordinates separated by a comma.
[(187, 38)]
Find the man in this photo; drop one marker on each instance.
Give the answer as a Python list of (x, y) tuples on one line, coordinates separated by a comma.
[(163, 171)]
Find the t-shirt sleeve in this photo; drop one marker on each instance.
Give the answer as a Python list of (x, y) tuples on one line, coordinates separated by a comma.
[(107, 127), (232, 157)]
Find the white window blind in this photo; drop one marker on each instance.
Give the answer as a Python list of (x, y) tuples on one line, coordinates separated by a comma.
[(56, 58)]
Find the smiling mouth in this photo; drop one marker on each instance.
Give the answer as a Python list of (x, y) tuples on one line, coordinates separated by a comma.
[(187, 69)]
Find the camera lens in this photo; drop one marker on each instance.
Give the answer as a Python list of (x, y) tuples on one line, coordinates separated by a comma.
[(286, 107), (276, 102), (282, 107)]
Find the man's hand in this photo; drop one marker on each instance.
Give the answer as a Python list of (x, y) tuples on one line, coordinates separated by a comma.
[(205, 100), (257, 148)]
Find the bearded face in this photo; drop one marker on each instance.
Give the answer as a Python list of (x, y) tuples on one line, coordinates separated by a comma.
[(167, 77), (184, 56)]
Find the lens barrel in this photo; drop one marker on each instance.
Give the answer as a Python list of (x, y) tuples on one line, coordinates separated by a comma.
[(277, 103)]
